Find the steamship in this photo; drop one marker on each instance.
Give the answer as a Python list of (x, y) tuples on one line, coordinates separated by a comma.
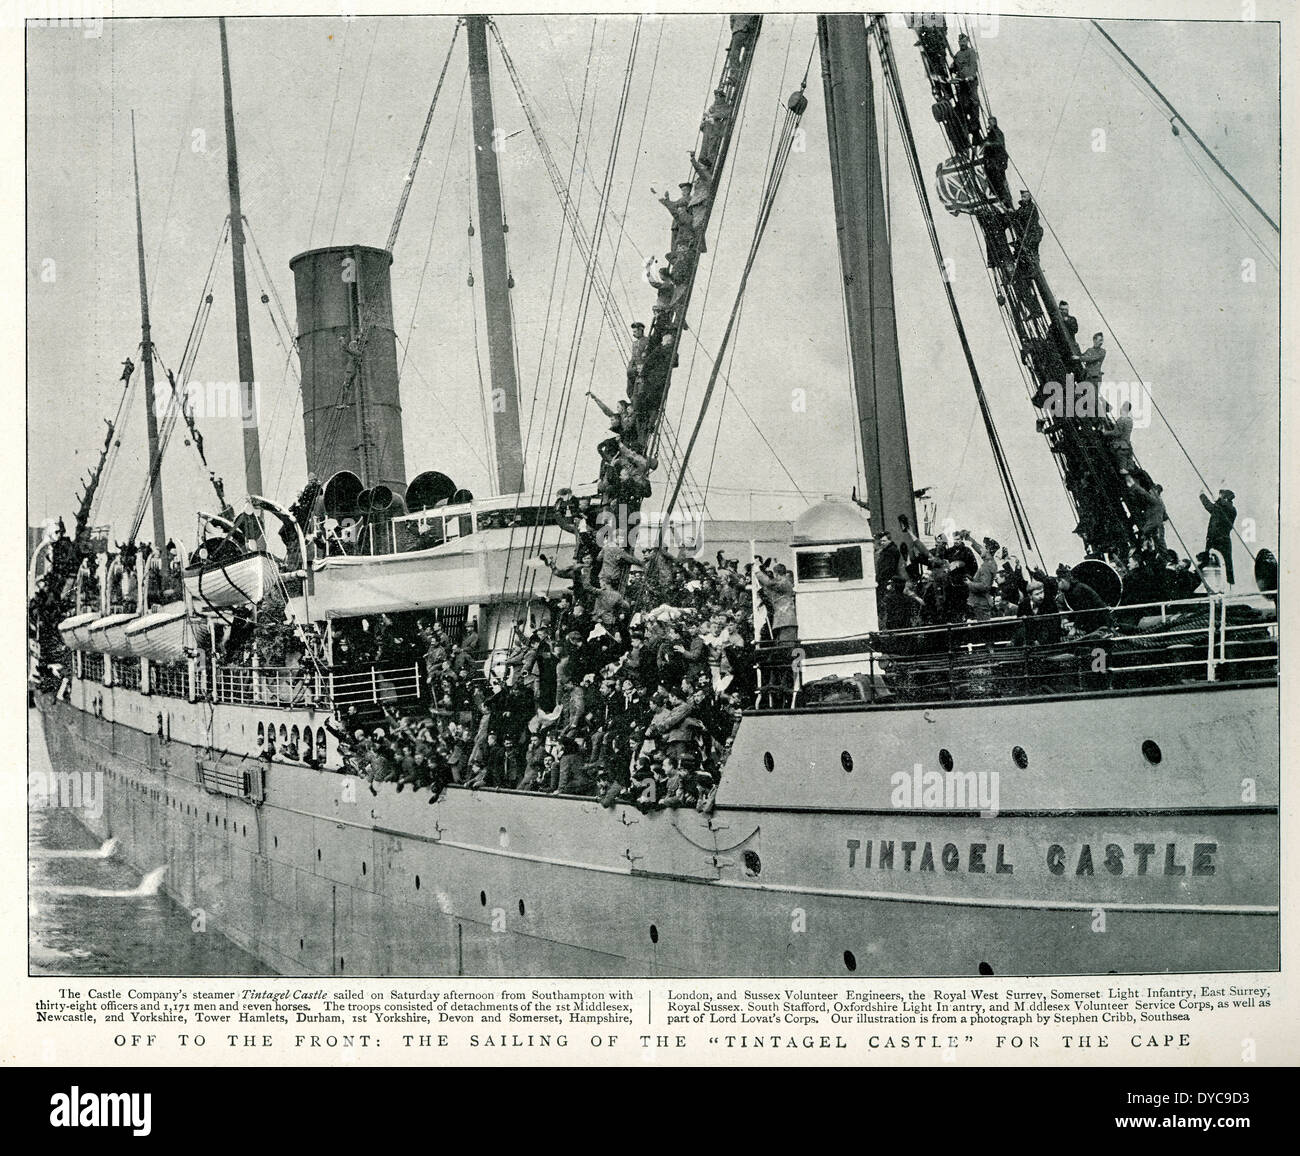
[(1134, 824)]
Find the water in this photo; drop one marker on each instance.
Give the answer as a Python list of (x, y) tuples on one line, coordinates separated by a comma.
[(93, 915)]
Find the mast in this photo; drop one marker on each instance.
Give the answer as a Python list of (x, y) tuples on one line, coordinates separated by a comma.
[(146, 355), (865, 263), (243, 340), (492, 243)]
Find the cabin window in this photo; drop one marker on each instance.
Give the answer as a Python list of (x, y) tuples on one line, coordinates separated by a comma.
[(320, 742), (261, 734), (843, 564), (284, 735), (306, 742)]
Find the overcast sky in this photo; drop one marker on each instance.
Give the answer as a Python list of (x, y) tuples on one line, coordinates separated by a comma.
[(1153, 237)]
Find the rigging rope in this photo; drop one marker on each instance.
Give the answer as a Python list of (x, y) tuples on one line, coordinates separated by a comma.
[(618, 240), (766, 204), (419, 148), (122, 403), (1179, 117), (1020, 518), (1138, 376), (437, 205), (329, 131), (347, 161), (604, 292)]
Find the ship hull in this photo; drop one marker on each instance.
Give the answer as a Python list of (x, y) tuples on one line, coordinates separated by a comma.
[(320, 877)]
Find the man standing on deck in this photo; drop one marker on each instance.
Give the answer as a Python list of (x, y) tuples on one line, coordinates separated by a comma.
[(979, 590), (1218, 535), (778, 587)]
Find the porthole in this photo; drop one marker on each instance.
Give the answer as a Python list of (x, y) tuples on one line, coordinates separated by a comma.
[(300, 947), (850, 961), (417, 883), (1019, 757), (768, 761), (945, 758), (985, 969), (363, 866), (276, 840), (317, 854), (245, 830), (340, 963), (654, 931), (521, 909), (1151, 752), (846, 761), (482, 898), (753, 864)]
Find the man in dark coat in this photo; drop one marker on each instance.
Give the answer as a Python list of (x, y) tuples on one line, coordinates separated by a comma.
[(995, 163), (1218, 535), (1087, 608)]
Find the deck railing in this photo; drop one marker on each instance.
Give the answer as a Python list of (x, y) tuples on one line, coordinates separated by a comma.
[(172, 680), (1218, 638), (326, 688)]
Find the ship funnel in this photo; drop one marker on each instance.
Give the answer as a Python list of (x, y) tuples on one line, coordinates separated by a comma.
[(351, 405)]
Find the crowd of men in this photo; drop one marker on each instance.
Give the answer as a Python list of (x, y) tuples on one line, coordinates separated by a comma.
[(974, 580), (634, 706)]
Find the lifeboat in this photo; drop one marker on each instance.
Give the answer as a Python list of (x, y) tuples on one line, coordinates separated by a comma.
[(161, 636), (108, 635), (75, 631), (235, 582)]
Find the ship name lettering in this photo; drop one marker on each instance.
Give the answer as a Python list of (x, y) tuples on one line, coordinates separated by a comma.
[(1146, 860), (912, 855)]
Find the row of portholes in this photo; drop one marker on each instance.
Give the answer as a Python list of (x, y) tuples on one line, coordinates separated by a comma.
[(1018, 756), (291, 739), (1150, 751), (482, 899)]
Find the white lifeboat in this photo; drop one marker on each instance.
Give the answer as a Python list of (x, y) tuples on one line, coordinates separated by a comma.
[(75, 631), (108, 635), (161, 636), (234, 583)]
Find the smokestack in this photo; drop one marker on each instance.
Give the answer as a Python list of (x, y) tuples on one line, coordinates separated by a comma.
[(351, 406)]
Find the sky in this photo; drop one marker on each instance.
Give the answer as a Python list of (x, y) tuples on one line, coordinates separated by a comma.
[(328, 112)]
